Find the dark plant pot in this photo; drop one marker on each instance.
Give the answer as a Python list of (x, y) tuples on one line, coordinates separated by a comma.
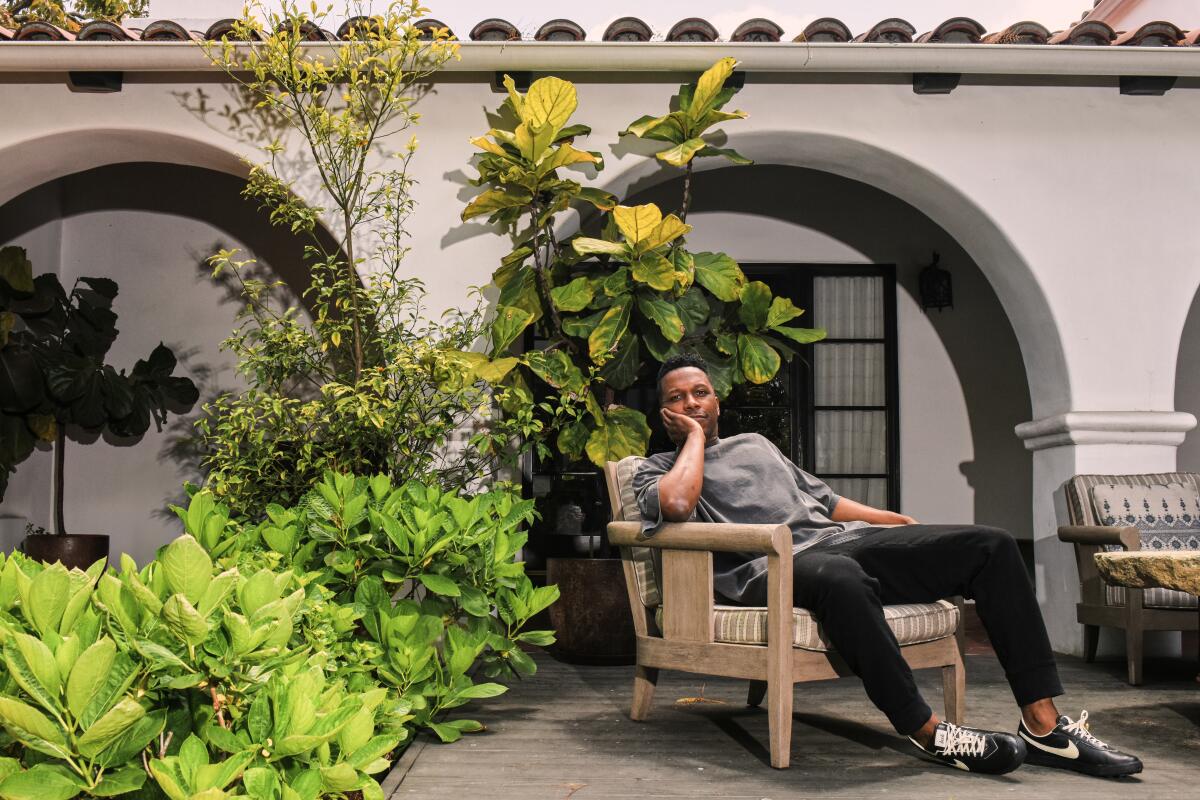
[(72, 549), (591, 619)]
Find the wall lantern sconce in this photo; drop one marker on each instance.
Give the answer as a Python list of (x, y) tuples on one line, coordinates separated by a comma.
[(937, 290)]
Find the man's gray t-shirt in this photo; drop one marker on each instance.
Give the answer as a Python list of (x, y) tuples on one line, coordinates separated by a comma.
[(747, 480)]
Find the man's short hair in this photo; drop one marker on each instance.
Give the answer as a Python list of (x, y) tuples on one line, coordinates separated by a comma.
[(679, 362)]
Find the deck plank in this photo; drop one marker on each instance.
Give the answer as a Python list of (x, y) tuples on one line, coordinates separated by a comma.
[(566, 733)]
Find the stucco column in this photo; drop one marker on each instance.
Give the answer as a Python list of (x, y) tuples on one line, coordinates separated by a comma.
[(1083, 442)]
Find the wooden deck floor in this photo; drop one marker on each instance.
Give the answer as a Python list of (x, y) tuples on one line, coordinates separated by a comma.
[(566, 734)]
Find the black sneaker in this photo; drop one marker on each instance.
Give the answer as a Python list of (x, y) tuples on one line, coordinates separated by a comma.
[(1072, 746), (974, 750)]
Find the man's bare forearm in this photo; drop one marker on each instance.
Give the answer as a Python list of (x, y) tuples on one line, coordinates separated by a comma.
[(679, 489), (848, 510)]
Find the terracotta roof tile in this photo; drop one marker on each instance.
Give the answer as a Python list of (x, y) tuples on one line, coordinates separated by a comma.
[(1152, 34), (893, 30), (825, 29), (692, 29), (99, 31), (1091, 33), (5, 34), (957, 30), (757, 30), (165, 30), (627, 29), (560, 30), (495, 30), (428, 26), (224, 27), (42, 32)]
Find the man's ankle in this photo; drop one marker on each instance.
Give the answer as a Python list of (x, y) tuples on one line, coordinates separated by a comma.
[(924, 735), (1040, 717)]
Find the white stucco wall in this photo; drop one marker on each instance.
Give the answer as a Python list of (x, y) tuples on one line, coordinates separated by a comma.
[(1058, 190)]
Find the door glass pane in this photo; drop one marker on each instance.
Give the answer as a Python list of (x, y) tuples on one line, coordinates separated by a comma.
[(850, 375), (872, 491), (849, 306), (851, 441)]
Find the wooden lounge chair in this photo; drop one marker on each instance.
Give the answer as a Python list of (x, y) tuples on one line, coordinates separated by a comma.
[(1127, 512), (679, 626)]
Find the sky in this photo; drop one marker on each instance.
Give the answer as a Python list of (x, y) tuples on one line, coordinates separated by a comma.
[(793, 16)]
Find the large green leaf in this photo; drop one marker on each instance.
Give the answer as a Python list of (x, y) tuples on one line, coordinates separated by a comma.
[(620, 372), (16, 269), (550, 101), (693, 309), (113, 685), (184, 620), (782, 310), (756, 300), (572, 438), (584, 246), (682, 153), (440, 584), (574, 296), (507, 325), (187, 568), (708, 88), (564, 156), (33, 728), (669, 128), (599, 198), (655, 270), (104, 730), (32, 665), (721, 369), (670, 229), (606, 336), (42, 782), (623, 433), (801, 335), (121, 781), (720, 274), (494, 200), (556, 368), (88, 675), (725, 152), (132, 740), (48, 595), (662, 313), (637, 222), (758, 360)]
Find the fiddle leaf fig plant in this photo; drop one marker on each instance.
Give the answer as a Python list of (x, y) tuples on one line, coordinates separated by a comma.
[(53, 373), (609, 306)]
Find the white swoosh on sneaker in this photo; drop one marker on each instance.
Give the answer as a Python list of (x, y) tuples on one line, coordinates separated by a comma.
[(1070, 751), (961, 765)]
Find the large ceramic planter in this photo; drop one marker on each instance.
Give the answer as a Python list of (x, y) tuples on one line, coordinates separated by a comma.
[(591, 620), (73, 549)]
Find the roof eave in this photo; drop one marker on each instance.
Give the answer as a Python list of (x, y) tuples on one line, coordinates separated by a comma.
[(807, 57)]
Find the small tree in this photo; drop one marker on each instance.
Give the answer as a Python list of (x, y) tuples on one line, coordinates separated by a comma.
[(609, 306), (370, 385), (69, 15)]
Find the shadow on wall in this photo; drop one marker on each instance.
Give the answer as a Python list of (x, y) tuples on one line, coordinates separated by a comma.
[(1187, 386), (190, 193), (979, 339)]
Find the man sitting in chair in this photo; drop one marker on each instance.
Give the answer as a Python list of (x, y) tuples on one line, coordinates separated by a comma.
[(849, 560)]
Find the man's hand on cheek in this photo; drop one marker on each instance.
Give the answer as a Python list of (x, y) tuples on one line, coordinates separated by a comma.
[(679, 426)]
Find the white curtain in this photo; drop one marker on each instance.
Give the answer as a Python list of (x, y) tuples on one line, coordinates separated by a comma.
[(851, 441), (850, 375), (872, 491), (850, 306)]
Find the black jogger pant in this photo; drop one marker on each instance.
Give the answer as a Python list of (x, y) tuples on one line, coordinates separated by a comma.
[(846, 586)]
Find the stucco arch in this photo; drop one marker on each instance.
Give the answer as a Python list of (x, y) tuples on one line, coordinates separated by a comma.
[(32, 162), (981, 235)]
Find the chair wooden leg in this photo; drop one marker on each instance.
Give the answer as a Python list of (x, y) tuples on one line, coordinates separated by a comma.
[(644, 680), (779, 720), (1091, 638), (1133, 655), (758, 690), (954, 690)]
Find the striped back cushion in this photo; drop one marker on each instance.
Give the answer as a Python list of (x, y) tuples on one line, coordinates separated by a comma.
[(642, 557), (1098, 500)]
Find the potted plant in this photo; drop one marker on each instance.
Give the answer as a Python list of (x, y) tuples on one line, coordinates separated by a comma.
[(581, 322), (53, 377)]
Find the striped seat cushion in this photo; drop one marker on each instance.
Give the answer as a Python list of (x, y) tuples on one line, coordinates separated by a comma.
[(642, 557), (912, 623)]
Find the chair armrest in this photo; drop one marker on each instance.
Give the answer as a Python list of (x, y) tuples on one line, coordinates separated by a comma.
[(713, 536), (1126, 536)]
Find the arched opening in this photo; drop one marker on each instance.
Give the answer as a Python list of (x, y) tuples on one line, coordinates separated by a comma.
[(150, 227), (961, 381), (1187, 386)]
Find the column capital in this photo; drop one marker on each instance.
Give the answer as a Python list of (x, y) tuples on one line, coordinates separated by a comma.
[(1107, 427)]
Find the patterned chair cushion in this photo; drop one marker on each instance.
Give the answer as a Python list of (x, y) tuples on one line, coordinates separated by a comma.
[(912, 623), (1167, 517), (643, 557)]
